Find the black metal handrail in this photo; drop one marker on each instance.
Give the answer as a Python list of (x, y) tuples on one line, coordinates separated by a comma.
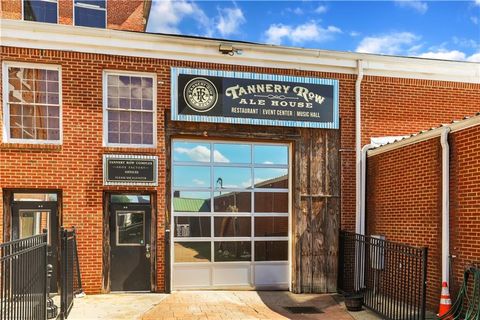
[(390, 276), (23, 278)]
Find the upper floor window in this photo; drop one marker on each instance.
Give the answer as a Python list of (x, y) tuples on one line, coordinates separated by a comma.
[(40, 10), (90, 13), (129, 109), (32, 103)]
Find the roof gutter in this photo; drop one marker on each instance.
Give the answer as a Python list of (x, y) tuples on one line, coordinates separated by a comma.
[(445, 203), (426, 135)]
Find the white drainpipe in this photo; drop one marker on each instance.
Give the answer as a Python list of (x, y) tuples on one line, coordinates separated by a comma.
[(358, 146), (445, 204)]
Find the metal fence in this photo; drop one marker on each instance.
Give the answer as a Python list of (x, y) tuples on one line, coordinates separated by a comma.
[(23, 278), (390, 276), (71, 283)]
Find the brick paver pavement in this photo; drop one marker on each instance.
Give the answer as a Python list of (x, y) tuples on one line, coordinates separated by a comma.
[(243, 305)]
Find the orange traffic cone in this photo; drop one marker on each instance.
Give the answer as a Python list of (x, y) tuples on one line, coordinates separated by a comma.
[(445, 302)]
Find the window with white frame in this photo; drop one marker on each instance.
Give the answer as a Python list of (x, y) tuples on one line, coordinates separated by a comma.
[(32, 103), (90, 13), (40, 10), (129, 109)]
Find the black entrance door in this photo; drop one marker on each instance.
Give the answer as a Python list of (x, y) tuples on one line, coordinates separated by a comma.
[(30, 218), (130, 246)]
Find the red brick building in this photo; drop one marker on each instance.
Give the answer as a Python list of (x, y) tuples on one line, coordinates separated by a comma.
[(405, 179), (66, 115)]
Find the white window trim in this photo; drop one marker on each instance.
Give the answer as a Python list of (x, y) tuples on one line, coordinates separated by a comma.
[(106, 73), (6, 109), (52, 1), (86, 6)]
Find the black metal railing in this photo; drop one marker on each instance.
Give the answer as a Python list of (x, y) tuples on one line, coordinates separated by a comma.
[(390, 276), (71, 283), (23, 278)]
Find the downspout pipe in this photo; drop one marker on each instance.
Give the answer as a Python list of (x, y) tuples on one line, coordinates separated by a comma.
[(358, 146), (445, 204)]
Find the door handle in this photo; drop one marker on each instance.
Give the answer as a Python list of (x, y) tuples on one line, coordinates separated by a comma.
[(147, 251)]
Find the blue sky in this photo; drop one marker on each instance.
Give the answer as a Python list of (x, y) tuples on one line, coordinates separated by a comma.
[(431, 29)]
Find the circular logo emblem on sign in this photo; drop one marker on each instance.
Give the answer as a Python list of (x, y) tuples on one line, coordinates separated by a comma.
[(200, 94)]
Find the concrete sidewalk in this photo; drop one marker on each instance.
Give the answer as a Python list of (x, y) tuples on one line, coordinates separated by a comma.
[(114, 306)]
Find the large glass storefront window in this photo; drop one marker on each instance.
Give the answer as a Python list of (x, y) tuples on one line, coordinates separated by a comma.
[(230, 202)]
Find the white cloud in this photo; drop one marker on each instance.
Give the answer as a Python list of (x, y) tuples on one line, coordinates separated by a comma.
[(444, 55), (321, 9), (166, 15), (198, 182), (392, 44), (477, 2), (419, 6), (309, 31), (474, 57), (474, 20), (219, 157), (451, 55), (201, 153), (230, 20), (354, 33)]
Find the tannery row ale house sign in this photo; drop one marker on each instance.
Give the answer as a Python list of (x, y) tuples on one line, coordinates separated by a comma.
[(253, 98), (119, 169)]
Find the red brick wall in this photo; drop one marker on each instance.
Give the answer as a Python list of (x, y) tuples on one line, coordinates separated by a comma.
[(404, 194), (464, 201), (121, 14), (392, 106)]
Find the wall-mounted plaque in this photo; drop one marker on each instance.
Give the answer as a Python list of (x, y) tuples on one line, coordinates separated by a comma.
[(253, 98), (130, 170)]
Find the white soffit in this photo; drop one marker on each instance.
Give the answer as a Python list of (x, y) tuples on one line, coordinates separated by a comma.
[(17, 33)]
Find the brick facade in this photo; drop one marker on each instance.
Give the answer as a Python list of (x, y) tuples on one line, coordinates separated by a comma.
[(121, 15), (404, 202), (404, 193), (390, 106)]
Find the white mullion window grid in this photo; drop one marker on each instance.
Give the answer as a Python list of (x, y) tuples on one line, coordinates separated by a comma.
[(92, 7), (6, 102), (212, 189), (51, 1), (105, 108)]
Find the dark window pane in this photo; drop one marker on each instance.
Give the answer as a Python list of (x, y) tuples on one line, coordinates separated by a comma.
[(40, 11), (129, 198), (186, 201), (53, 134), (233, 250), (232, 226), (232, 202), (130, 228), (271, 178), (87, 17), (192, 252), (271, 202), (271, 226), (148, 139), (271, 250), (192, 227)]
